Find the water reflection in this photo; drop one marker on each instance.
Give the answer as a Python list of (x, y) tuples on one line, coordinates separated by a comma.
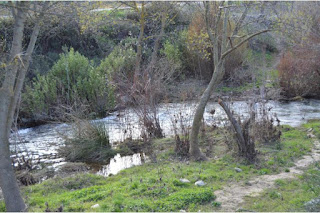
[(119, 163)]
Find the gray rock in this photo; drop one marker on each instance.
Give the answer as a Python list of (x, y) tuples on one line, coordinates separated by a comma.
[(310, 135), (199, 183), (1, 196), (183, 180), (313, 205), (238, 169), (95, 206), (310, 130)]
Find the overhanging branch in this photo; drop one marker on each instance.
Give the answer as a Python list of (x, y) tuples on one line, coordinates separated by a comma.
[(242, 42)]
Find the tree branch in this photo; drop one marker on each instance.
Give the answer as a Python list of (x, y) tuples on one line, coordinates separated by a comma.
[(242, 42)]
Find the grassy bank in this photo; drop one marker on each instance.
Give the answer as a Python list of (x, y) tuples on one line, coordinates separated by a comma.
[(156, 186), (289, 195)]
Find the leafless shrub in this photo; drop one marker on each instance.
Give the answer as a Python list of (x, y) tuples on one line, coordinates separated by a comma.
[(265, 128), (258, 126), (181, 134)]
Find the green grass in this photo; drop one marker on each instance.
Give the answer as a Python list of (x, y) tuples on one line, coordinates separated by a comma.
[(156, 186), (150, 187), (2, 207), (288, 195), (315, 125)]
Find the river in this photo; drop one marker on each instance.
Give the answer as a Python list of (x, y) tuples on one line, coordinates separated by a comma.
[(42, 143)]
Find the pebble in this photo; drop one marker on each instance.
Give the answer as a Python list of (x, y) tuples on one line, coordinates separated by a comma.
[(95, 206), (310, 135), (199, 183), (183, 180), (238, 169)]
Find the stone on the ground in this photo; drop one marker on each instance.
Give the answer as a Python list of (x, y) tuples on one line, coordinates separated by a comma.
[(310, 135), (310, 130), (95, 206), (183, 180), (238, 169), (199, 183), (182, 210), (313, 205)]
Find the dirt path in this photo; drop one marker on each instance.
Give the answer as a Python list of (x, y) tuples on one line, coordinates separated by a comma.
[(232, 197)]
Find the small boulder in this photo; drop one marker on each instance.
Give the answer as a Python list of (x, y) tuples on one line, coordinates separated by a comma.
[(310, 130), (183, 180), (199, 183), (313, 205), (95, 206), (238, 169)]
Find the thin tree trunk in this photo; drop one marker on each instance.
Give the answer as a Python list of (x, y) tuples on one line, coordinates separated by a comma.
[(22, 73), (194, 144), (139, 45), (236, 126), (219, 60), (154, 55)]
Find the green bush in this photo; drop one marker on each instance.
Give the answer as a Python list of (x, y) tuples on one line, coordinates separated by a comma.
[(71, 82), (172, 52), (120, 61)]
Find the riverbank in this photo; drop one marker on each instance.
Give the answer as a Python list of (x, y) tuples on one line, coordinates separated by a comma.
[(183, 91), (164, 186)]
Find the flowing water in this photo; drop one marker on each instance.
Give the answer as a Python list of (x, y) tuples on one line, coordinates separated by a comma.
[(42, 143)]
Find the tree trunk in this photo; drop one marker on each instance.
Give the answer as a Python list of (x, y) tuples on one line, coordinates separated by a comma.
[(245, 143), (236, 126), (8, 183), (139, 45), (9, 95), (9, 186), (194, 144), (217, 38), (156, 46)]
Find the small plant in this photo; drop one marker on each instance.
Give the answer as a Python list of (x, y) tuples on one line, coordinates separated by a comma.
[(90, 143), (216, 204), (181, 134)]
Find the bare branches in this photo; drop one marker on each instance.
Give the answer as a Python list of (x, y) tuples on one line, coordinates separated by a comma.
[(242, 42)]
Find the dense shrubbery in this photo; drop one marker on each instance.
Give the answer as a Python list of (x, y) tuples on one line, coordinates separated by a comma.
[(299, 73), (119, 63), (72, 84)]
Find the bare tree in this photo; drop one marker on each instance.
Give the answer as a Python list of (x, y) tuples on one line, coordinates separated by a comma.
[(11, 85), (224, 41)]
